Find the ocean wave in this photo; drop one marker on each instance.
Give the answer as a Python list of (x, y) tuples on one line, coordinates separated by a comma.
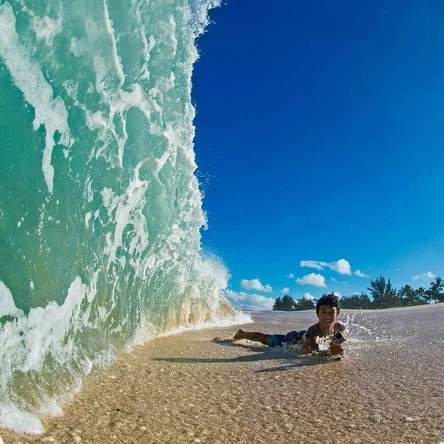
[(100, 209)]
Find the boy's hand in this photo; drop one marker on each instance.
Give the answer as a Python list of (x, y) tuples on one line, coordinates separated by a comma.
[(336, 349)]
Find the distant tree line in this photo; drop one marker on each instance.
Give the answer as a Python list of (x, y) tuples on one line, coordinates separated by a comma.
[(381, 295), (287, 303)]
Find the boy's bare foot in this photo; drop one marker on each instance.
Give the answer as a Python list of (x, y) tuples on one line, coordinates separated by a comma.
[(220, 340), (239, 335)]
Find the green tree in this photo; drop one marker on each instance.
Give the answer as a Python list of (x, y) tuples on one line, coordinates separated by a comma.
[(304, 304), (421, 295), (436, 291), (286, 303), (277, 304), (356, 301), (383, 293), (408, 296)]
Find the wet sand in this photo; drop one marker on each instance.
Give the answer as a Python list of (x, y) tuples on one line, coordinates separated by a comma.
[(188, 388)]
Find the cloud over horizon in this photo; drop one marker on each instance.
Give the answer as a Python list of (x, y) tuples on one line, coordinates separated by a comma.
[(308, 297), (249, 301), (424, 276), (341, 266), (360, 274), (255, 284), (315, 279)]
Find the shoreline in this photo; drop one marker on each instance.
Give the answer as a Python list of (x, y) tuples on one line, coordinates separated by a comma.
[(187, 388)]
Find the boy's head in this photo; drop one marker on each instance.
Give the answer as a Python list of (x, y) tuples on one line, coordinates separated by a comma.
[(330, 300), (327, 308)]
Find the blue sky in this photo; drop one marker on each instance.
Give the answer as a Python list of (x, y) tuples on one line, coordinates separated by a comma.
[(319, 135)]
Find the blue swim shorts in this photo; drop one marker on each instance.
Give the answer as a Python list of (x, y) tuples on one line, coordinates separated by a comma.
[(278, 340)]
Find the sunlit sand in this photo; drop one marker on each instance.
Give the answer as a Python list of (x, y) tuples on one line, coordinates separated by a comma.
[(192, 388)]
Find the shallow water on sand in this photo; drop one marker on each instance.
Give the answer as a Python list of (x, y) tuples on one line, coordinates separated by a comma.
[(423, 325)]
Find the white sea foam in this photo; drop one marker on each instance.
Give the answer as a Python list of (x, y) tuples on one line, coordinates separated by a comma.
[(147, 332), (46, 28), (28, 77), (116, 59), (199, 14), (227, 321), (13, 418), (27, 341), (7, 304), (127, 209)]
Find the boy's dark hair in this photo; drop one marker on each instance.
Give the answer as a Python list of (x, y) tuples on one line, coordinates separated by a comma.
[(329, 299)]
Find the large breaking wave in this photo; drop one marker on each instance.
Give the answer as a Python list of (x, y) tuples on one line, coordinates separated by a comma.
[(100, 210)]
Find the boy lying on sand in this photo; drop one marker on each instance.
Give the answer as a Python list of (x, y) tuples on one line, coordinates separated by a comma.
[(327, 310)]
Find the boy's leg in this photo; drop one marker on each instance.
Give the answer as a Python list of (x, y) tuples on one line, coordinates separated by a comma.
[(294, 336), (251, 336)]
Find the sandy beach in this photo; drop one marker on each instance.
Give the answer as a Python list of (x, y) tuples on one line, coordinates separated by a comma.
[(188, 388)]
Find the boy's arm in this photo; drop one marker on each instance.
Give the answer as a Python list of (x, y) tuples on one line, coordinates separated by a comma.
[(339, 326), (309, 342), (309, 345), (336, 347)]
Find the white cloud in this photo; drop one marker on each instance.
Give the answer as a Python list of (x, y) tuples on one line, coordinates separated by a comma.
[(336, 293), (290, 276), (248, 301), (319, 265), (308, 297), (424, 276), (315, 279), (360, 274), (341, 266), (285, 290), (254, 284)]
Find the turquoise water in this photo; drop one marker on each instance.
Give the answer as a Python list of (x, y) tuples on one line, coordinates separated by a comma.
[(100, 209)]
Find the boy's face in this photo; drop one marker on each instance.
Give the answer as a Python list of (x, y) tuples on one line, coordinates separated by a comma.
[(327, 316)]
